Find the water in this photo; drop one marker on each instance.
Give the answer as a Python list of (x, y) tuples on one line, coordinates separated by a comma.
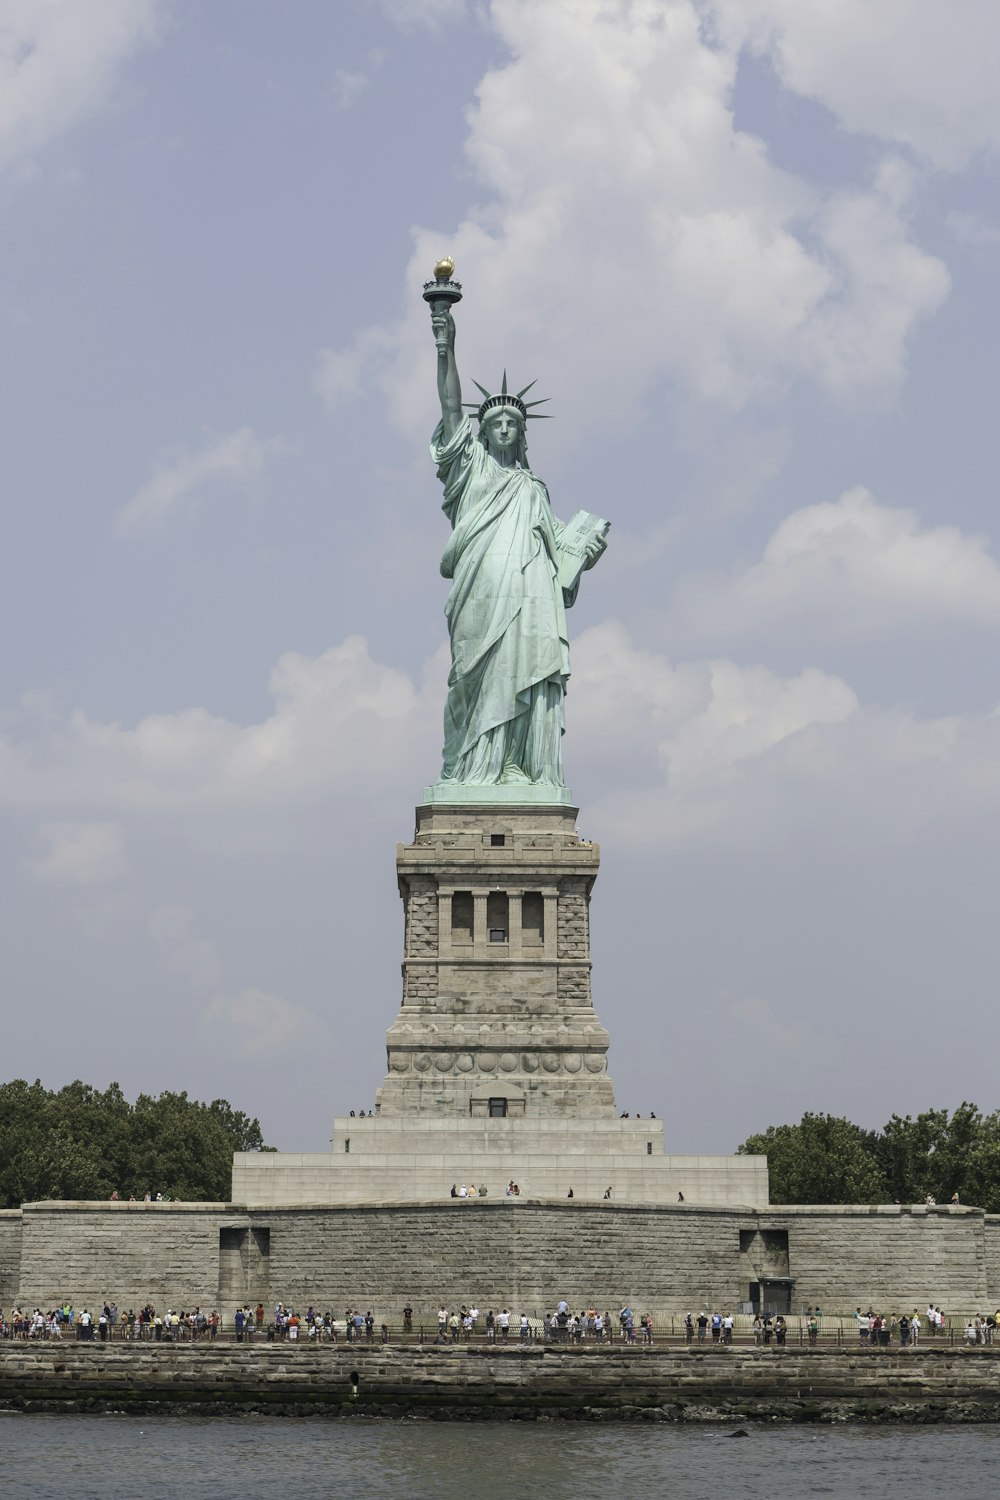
[(121, 1458)]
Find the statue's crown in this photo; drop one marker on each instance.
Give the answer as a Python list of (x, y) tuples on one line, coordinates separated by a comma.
[(507, 398)]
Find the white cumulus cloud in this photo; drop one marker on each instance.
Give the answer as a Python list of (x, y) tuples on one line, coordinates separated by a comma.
[(744, 757), (236, 459), (58, 60), (628, 234), (920, 72), (255, 1024), (339, 719), (699, 753), (81, 853), (856, 565)]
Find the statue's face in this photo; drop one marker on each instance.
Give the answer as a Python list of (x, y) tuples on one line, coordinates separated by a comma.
[(503, 431)]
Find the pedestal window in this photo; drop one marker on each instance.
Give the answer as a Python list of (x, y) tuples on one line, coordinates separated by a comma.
[(498, 916)]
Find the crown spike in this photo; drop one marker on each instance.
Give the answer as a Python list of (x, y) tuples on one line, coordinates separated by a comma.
[(506, 397)]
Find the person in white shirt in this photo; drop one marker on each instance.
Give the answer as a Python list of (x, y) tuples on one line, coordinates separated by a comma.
[(504, 1321), (915, 1327)]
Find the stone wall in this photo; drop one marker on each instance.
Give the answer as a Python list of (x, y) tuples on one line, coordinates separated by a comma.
[(166, 1253), (665, 1384), (10, 1255), (372, 1161), (500, 1009), (991, 1240), (895, 1257), (518, 1253)]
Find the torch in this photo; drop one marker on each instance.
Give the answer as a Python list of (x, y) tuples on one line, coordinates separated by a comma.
[(443, 290)]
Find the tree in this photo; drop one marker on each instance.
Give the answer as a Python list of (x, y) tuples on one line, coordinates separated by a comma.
[(829, 1160), (979, 1183), (941, 1154), (823, 1159), (77, 1142)]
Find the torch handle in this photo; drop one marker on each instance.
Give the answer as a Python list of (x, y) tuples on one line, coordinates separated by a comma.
[(436, 304)]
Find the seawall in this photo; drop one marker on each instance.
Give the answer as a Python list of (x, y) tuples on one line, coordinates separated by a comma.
[(669, 1385), (520, 1253)]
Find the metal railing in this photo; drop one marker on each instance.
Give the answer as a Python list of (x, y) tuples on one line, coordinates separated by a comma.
[(669, 1330)]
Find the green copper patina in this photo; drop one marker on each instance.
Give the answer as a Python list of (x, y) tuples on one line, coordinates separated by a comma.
[(515, 570)]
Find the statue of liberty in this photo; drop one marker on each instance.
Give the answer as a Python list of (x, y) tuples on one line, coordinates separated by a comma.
[(515, 570)]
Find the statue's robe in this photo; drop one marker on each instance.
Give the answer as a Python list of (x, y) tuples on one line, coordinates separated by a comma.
[(506, 617)]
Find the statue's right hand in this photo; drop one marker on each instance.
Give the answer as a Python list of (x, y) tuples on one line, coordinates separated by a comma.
[(443, 325)]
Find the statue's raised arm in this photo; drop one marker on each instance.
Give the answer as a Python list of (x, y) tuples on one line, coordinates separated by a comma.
[(449, 385), (441, 294)]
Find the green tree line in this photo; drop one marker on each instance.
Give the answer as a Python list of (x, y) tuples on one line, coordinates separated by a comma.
[(826, 1159), (77, 1142)]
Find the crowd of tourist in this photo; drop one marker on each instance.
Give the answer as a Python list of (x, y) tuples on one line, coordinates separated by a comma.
[(981, 1330), (109, 1323), (466, 1323)]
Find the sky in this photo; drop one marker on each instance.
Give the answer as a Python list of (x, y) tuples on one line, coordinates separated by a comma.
[(749, 248)]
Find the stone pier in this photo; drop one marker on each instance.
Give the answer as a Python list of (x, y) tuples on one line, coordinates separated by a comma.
[(666, 1385)]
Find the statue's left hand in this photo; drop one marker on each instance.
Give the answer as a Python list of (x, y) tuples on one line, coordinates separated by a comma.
[(595, 549)]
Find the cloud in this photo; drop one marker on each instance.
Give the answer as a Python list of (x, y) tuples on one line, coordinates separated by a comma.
[(255, 1024), (743, 758), (81, 853), (696, 754), (58, 60), (196, 959), (698, 717), (763, 1030), (340, 719), (912, 71), (856, 566), (237, 459), (349, 86), (341, 373), (249, 1024), (662, 243)]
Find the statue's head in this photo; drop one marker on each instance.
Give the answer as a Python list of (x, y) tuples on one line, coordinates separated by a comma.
[(503, 420), (502, 434)]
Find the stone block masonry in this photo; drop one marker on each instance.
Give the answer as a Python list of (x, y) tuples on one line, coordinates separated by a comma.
[(520, 1253), (164, 1253), (10, 1255), (496, 1040), (673, 1385), (497, 1014), (840, 1256)]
